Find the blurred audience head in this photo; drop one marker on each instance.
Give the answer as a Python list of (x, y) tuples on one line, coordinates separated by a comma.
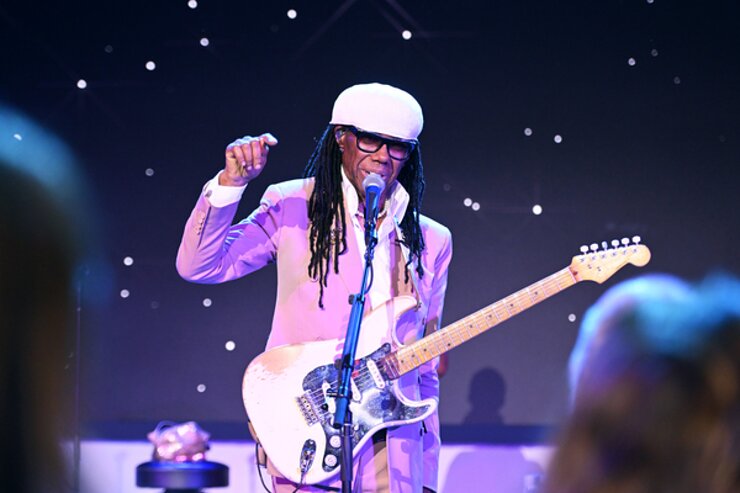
[(603, 342), (655, 379), (40, 249)]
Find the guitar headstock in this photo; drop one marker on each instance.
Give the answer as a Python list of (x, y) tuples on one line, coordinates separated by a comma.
[(599, 265)]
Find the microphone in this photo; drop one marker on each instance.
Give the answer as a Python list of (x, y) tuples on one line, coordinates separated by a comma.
[(374, 186)]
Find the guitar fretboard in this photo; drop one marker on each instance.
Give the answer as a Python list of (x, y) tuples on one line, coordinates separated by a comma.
[(416, 354)]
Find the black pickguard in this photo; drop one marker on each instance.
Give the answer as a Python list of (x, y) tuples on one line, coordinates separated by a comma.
[(371, 409)]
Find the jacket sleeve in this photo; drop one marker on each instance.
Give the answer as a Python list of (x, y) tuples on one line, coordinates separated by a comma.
[(428, 378), (213, 250)]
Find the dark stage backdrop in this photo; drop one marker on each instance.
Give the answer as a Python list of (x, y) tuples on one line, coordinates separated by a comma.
[(618, 118)]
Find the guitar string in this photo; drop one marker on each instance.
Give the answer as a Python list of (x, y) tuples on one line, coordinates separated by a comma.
[(363, 377), (516, 301), (478, 322)]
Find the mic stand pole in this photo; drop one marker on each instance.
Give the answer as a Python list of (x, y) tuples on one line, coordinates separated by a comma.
[(342, 415)]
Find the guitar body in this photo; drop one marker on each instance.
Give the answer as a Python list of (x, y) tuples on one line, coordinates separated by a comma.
[(288, 394)]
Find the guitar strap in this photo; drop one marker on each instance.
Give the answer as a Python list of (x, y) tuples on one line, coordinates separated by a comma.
[(428, 327), (400, 272)]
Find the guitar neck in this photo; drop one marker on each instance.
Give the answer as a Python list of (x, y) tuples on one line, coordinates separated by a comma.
[(416, 354)]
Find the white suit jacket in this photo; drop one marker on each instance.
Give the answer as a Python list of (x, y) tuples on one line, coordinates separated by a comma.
[(213, 251)]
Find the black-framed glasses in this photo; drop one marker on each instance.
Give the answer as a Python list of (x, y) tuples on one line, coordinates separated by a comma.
[(370, 142)]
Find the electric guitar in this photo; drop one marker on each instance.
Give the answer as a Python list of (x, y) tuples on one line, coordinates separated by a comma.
[(288, 390)]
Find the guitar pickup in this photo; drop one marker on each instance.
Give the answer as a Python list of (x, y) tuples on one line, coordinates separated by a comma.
[(332, 392), (374, 371)]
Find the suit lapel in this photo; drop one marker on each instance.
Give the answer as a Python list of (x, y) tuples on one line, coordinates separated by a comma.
[(351, 262)]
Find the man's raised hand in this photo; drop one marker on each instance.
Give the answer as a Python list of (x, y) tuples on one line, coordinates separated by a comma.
[(245, 159)]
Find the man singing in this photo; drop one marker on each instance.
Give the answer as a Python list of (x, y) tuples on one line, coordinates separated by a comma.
[(313, 228)]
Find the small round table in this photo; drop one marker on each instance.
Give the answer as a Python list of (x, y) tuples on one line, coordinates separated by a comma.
[(182, 477)]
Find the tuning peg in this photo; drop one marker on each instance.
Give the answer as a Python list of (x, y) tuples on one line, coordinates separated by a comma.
[(625, 241), (584, 249), (636, 240), (594, 247), (615, 243)]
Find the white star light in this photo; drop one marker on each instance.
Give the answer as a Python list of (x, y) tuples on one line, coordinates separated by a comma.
[(150, 65), (537, 209), (406, 34), (82, 83), (207, 302), (128, 261), (292, 14)]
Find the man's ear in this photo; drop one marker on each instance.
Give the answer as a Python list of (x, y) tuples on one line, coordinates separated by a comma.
[(339, 137)]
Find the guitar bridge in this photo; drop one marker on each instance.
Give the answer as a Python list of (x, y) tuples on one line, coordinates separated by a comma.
[(307, 409)]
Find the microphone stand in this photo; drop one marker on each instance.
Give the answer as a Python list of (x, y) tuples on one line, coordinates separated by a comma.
[(342, 415)]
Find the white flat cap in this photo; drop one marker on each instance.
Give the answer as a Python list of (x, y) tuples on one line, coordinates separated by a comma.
[(379, 108)]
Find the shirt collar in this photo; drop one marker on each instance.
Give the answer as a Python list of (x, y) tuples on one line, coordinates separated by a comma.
[(396, 205)]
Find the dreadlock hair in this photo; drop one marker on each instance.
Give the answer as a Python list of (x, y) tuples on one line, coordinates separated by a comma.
[(328, 235)]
